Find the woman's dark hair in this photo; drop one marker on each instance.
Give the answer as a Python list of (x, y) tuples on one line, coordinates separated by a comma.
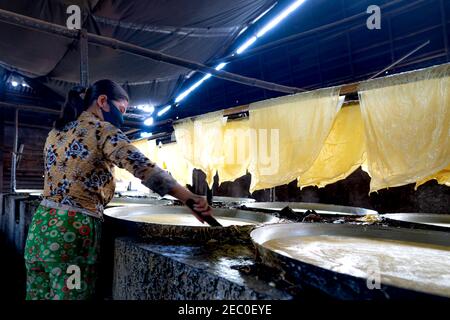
[(75, 104)]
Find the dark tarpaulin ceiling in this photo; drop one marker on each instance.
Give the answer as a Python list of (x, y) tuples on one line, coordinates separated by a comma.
[(198, 30)]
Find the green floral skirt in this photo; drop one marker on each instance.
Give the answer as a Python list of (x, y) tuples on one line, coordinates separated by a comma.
[(61, 255)]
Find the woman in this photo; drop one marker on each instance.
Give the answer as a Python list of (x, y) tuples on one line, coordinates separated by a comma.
[(80, 154)]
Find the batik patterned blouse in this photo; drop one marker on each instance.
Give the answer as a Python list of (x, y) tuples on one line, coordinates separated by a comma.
[(79, 163)]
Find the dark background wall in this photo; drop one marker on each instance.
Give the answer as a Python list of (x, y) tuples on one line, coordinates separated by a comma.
[(352, 191), (33, 129), (31, 166)]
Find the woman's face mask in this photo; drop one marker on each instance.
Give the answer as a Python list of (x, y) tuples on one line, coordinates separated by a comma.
[(114, 116)]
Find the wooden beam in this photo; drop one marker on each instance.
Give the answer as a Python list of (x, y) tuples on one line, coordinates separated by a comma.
[(235, 110), (29, 108), (349, 88), (43, 26), (32, 126)]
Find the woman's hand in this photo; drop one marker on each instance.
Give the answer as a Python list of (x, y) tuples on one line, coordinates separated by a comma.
[(200, 203), (202, 206)]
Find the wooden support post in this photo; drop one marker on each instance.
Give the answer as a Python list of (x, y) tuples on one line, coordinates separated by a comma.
[(14, 152), (84, 59)]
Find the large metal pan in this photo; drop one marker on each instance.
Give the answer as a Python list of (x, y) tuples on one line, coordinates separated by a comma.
[(137, 193), (347, 285), (322, 209), (151, 222), (432, 221), (225, 201), (135, 201), (232, 200)]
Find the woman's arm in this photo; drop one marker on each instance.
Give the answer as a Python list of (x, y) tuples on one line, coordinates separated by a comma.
[(184, 194), (118, 149)]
